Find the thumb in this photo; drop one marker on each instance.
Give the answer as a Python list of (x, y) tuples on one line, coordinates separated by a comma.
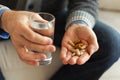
[(91, 49), (37, 17)]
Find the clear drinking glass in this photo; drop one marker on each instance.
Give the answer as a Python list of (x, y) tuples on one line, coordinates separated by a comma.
[(46, 28)]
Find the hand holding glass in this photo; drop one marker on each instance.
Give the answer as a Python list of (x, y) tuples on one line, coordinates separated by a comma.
[(46, 28)]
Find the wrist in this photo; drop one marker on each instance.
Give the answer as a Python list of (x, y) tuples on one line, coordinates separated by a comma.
[(80, 17)]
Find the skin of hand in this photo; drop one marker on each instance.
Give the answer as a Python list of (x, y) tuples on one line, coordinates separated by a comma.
[(78, 32), (24, 38)]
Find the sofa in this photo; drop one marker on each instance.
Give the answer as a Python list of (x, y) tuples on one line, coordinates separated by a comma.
[(109, 13)]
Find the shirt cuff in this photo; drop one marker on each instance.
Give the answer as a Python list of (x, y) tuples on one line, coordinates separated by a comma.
[(3, 34), (3, 9), (81, 17), (78, 22)]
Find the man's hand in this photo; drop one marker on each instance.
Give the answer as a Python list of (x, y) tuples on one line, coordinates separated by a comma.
[(24, 38), (74, 33)]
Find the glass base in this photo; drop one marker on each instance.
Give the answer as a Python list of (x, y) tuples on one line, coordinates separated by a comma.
[(45, 62)]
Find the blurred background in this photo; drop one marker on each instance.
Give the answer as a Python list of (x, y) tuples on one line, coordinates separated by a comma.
[(109, 13)]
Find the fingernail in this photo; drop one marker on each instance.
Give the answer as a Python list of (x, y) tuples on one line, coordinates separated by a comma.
[(50, 41)]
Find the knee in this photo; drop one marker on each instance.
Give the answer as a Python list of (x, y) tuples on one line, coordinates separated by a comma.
[(108, 39), (107, 36)]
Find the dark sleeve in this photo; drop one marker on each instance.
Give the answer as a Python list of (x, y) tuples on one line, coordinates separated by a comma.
[(82, 10)]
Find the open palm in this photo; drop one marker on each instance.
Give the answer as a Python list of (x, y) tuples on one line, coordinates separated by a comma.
[(78, 32)]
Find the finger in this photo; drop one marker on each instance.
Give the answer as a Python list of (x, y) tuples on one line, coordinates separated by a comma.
[(27, 55), (73, 60), (68, 56), (83, 58), (37, 17), (41, 48), (63, 53), (91, 49), (31, 62), (32, 36), (32, 46), (92, 45), (68, 45)]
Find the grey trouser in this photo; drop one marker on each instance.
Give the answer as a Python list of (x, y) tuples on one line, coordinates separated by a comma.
[(14, 69)]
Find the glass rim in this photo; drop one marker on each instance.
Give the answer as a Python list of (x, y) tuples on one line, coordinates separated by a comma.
[(49, 15), (49, 21)]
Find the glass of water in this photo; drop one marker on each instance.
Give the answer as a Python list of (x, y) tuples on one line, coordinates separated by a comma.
[(45, 28)]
